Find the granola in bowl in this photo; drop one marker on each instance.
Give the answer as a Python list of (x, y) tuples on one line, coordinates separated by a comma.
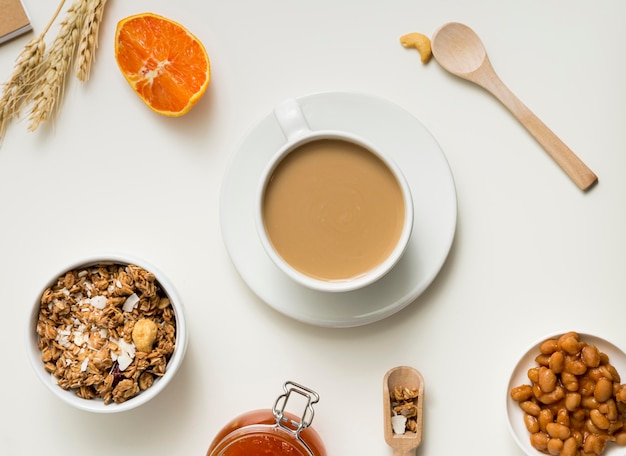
[(109, 334)]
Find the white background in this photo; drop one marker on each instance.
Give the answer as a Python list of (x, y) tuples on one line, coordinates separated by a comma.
[(532, 253)]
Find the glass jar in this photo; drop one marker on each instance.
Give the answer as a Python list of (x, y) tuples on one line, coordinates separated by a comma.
[(272, 432)]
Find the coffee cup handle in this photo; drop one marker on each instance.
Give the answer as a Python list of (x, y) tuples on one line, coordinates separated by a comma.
[(291, 119)]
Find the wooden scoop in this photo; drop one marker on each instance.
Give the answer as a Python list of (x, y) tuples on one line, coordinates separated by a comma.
[(403, 377), (458, 49)]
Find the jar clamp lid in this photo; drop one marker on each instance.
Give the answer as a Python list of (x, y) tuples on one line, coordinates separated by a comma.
[(273, 431), (291, 425)]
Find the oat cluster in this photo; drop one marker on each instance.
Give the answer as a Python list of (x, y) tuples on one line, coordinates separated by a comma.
[(106, 331), (404, 403)]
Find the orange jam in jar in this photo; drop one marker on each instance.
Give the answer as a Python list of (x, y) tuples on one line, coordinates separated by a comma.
[(272, 432)]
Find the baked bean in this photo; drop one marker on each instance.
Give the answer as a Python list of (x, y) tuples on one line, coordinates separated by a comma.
[(531, 423), (536, 391), (592, 428), (533, 374), (543, 360), (544, 418), (577, 435), (598, 419), (557, 431), (615, 427), (595, 374), (521, 393), (579, 415), (578, 419), (594, 444), (603, 390), (552, 397), (574, 365), (539, 441), (530, 407), (621, 394), (549, 346), (614, 374), (570, 446), (547, 379), (562, 417), (620, 438), (557, 362), (604, 358), (555, 446), (589, 403), (586, 386), (601, 371), (590, 356), (570, 381), (569, 343), (609, 409), (572, 401)]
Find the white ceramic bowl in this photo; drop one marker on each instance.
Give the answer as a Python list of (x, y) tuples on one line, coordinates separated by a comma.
[(97, 405), (515, 415)]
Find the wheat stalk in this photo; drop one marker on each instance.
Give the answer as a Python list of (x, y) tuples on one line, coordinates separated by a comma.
[(89, 39), (39, 77), (19, 88), (16, 90), (50, 82)]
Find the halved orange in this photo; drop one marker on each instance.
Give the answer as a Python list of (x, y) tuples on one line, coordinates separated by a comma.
[(164, 63)]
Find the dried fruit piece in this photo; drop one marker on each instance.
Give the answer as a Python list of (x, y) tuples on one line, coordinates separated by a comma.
[(164, 63)]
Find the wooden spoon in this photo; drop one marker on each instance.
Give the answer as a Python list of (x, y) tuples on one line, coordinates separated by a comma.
[(403, 377), (460, 51)]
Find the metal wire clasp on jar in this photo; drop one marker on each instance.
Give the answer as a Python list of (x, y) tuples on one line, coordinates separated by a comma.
[(273, 431)]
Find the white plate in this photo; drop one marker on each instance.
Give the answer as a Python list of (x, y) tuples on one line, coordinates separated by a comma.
[(434, 198), (519, 377)]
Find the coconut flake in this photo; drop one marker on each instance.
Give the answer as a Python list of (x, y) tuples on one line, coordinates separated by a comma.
[(123, 361), (130, 303), (99, 302), (63, 338), (80, 338), (83, 366), (125, 358), (398, 423)]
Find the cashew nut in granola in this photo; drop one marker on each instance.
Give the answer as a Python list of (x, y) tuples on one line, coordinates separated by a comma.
[(420, 42), (145, 334)]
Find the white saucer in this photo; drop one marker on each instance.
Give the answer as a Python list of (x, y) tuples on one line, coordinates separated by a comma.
[(426, 169)]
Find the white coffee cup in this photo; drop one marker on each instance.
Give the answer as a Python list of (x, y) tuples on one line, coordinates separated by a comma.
[(355, 231)]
